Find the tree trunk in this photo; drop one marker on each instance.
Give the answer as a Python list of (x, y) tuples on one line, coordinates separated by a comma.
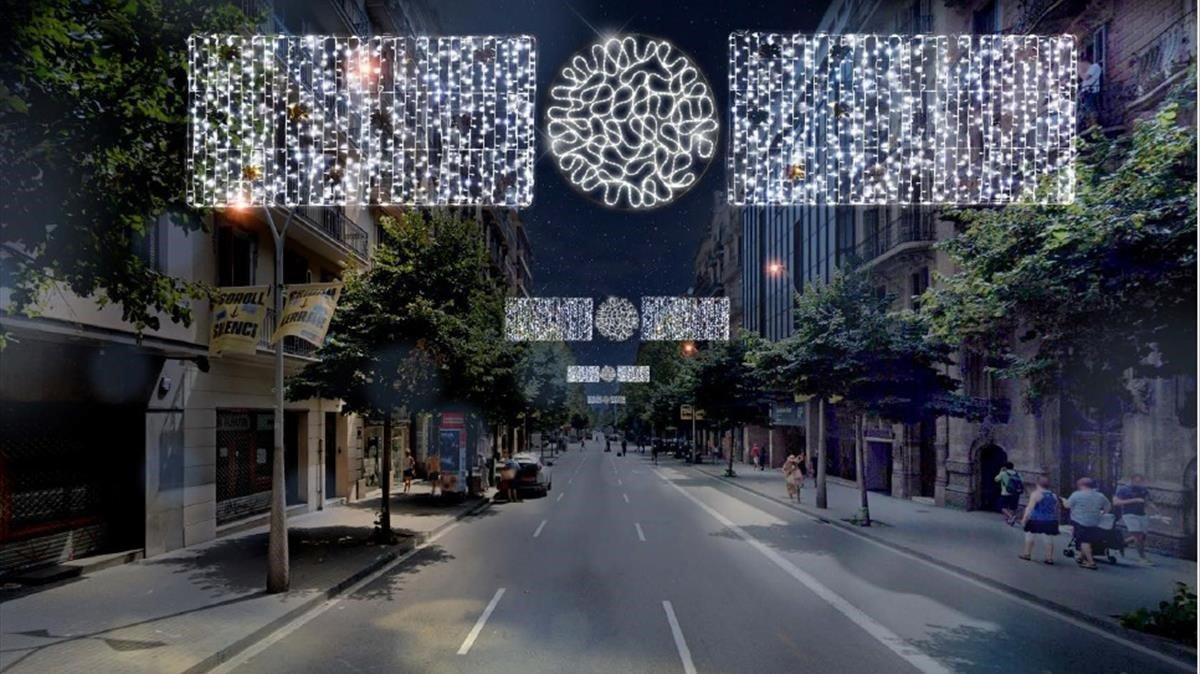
[(385, 481), (822, 461), (721, 441), (860, 460)]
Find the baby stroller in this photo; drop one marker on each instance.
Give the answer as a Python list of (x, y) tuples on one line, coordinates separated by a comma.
[(1111, 541)]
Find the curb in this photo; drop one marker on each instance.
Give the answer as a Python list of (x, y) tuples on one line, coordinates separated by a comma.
[(270, 627), (1177, 651)]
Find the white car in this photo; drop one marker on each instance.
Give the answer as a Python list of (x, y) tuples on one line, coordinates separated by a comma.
[(532, 473)]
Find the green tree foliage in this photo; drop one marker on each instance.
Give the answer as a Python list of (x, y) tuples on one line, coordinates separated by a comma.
[(93, 133), (1069, 298), (418, 328), (671, 384), (541, 375), (1175, 619)]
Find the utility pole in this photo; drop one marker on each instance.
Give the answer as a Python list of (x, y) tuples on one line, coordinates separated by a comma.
[(278, 569)]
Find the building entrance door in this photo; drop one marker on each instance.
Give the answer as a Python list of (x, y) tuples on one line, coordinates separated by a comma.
[(331, 454), (991, 460)]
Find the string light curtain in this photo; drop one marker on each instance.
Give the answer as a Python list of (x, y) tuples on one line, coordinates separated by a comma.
[(595, 374), (685, 318), (548, 319), (901, 119), (606, 400), (327, 121)]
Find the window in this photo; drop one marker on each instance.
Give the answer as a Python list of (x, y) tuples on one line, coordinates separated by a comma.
[(1094, 54), (844, 222), (919, 283), (151, 245), (237, 253), (295, 268), (986, 19)]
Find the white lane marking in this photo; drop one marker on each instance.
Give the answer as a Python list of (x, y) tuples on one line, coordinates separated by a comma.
[(245, 656), (1144, 650), (538, 532), (626, 497), (571, 481), (487, 612), (560, 495), (619, 482), (883, 635), (641, 536), (685, 655)]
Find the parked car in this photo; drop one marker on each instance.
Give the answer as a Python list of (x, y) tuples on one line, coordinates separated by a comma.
[(532, 474)]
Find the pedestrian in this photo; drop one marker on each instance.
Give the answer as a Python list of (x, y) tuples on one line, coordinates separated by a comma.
[(508, 481), (802, 465), (1087, 506), (1130, 502), (1040, 519), (409, 465), (434, 473), (624, 446), (654, 452), (792, 476), (607, 444), (755, 455), (1011, 487)]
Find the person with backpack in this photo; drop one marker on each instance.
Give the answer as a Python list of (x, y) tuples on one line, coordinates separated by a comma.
[(1040, 519), (1011, 487)]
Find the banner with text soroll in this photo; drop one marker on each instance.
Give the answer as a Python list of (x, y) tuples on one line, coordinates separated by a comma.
[(307, 311), (237, 319)]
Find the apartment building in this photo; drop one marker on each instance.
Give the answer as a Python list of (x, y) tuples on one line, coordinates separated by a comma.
[(116, 441), (1130, 53)]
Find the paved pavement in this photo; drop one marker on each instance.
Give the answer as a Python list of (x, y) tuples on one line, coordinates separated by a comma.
[(185, 609), (979, 543), (628, 567)]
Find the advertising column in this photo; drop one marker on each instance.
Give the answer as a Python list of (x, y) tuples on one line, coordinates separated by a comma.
[(452, 450)]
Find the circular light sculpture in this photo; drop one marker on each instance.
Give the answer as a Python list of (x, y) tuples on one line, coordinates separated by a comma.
[(632, 122), (607, 373), (616, 319)]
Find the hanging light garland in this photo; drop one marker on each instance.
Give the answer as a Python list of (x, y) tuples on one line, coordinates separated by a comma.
[(616, 319), (685, 318), (323, 121), (606, 400), (632, 120), (901, 119), (548, 319), (595, 374)]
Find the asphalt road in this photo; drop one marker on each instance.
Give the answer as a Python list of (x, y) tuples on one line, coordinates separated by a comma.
[(626, 567)]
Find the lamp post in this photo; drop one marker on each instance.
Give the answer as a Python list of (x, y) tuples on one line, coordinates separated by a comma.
[(278, 568)]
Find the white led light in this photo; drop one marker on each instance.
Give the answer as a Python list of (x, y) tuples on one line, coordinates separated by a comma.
[(548, 319), (606, 400), (594, 374), (616, 319), (685, 318), (632, 120), (326, 121), (901, 119)]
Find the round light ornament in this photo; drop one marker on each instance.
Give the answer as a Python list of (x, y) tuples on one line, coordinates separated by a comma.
[(632, 122), (616, 318), (607, 373)]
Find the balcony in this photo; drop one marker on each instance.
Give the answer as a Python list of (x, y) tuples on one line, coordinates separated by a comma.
[(332, 224), (913, 226), (292, 346), (1162, 59)]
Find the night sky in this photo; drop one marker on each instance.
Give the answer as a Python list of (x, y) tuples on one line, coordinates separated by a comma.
[(581, 248)]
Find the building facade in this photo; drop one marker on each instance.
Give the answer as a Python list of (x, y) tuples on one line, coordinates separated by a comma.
[(110, 440), (1130, 53)]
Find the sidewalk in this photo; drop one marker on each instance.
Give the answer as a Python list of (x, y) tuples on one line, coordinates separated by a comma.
[(980, 545), (189, 609)]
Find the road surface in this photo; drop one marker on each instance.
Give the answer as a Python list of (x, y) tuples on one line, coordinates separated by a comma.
[(628, 567)]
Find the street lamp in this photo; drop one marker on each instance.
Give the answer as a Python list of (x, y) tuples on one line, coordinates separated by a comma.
[(688, 348), (775, 268)]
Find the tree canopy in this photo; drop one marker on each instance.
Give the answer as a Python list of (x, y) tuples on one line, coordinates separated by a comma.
[(727, 388), (1071, 297), (93, 134)]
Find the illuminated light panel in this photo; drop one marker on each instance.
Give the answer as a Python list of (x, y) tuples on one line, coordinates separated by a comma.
[(595, 374), (548, 319), (685, 318), (606, 400), (901, 119), (616, 319), (632, 121), (327, 121)]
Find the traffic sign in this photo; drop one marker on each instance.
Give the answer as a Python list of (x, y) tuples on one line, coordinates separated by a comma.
[(685, 412)]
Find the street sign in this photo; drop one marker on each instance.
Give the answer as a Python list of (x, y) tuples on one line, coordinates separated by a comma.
[(698, 415), (685, 412)]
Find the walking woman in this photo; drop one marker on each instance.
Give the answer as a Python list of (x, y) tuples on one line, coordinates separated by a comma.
[(1040, 519), (792, 476)]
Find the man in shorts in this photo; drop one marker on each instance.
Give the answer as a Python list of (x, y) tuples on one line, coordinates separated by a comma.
[(1087, 506), (1010, 493), (1130, 502)]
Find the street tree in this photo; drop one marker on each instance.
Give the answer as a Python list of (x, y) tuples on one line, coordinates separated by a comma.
[(848, 346), (93, 136), (727, 387), (657, 403), (402, 337), (1075, 299)]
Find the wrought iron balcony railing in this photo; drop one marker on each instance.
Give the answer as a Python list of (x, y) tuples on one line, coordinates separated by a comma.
[(333, 224), (291, 345), (912, 226)]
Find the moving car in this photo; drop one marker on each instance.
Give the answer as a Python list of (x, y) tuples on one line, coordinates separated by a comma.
[(532, 474)]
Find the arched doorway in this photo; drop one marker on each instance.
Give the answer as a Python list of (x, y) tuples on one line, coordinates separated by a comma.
[(991, 460)]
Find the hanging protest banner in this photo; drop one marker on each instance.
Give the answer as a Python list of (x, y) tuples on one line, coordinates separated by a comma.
[(237, 319), (307, 311)]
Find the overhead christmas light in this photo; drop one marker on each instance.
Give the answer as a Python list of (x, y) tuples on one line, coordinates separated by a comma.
[(633, 121), (595, 374), (616, 319), (326, 121), (606, 400), (548, 319), (901, 119), (685, 318)]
